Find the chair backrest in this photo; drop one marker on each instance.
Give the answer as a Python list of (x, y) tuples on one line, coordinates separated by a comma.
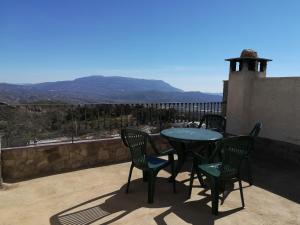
[(214, 122), (256, 129), (137, 143), (234, 150)]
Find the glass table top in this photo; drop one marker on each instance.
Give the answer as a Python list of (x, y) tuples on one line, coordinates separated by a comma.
[(191, 134)]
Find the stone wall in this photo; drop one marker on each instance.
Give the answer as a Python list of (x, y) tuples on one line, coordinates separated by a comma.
[(276, 151), (29, 162)]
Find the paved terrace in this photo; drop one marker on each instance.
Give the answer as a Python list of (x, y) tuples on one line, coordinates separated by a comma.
[(96, 196)]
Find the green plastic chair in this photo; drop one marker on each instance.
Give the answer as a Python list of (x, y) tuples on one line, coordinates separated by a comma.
[(253, 133), (138, 143), (233, 151), (256, 129), (214, 122)]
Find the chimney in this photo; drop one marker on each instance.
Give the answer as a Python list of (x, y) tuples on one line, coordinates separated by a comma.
[(243, 72), (249, 62)]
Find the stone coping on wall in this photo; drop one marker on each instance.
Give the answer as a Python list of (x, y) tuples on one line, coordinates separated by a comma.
[(68, 142), (60, 143), (33, 161)]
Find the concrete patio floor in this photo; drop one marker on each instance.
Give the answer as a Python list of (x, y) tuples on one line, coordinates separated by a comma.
[(96, 196)]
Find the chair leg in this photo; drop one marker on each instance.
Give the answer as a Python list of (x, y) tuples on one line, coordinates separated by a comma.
[(173, 174), (129, 177), (201, 181), (151, 185), (215, 196), (191, 180), (250, 179), (223, 197), (241, 192)]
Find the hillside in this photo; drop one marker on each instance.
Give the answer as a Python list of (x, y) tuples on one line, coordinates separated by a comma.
[(101, 89)]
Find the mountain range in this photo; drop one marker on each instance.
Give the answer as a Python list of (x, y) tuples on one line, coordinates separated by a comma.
[(101, 89)]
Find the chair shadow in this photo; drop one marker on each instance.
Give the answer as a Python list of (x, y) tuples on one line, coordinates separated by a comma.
[(121, 204), (192, 212), (117, 202)]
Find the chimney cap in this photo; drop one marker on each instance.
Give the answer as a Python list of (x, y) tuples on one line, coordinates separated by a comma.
[(248, 55)]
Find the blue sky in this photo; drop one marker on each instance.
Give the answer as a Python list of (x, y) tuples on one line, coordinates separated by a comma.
[(182, 42)]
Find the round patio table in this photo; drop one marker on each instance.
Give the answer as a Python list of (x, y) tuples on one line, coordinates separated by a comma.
[(179, 138)]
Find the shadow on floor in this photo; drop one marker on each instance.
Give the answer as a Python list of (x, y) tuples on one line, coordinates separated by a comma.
[(192, 212), (277, 177), (113, 206)]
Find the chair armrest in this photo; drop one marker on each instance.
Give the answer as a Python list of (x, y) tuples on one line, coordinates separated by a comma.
[(166, 152), (202, 158), (159, 151), (198, 157), (217, 152), (227, 135)]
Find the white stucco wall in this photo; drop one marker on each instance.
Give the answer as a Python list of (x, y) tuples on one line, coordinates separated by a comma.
[(274, 101)]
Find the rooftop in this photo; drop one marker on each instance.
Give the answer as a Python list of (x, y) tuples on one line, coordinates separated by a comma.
[(96, 196)]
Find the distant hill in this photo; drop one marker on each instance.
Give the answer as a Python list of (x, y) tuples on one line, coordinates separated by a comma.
[(101, 89)]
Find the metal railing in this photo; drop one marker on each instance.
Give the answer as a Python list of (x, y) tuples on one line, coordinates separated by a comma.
[(1, 178), (31, 124)]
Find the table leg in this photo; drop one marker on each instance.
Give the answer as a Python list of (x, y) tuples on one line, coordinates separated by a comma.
[(180, 150), (206, 152), (145, 176)]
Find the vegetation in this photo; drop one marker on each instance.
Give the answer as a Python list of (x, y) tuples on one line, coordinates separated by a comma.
[(31, 124)]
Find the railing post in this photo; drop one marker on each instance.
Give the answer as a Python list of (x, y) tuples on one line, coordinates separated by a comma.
[(109, 112), (160, 116), (98, 118), (72, 118), (193, 116), (85, 118), (121, 116), (1, 179)]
